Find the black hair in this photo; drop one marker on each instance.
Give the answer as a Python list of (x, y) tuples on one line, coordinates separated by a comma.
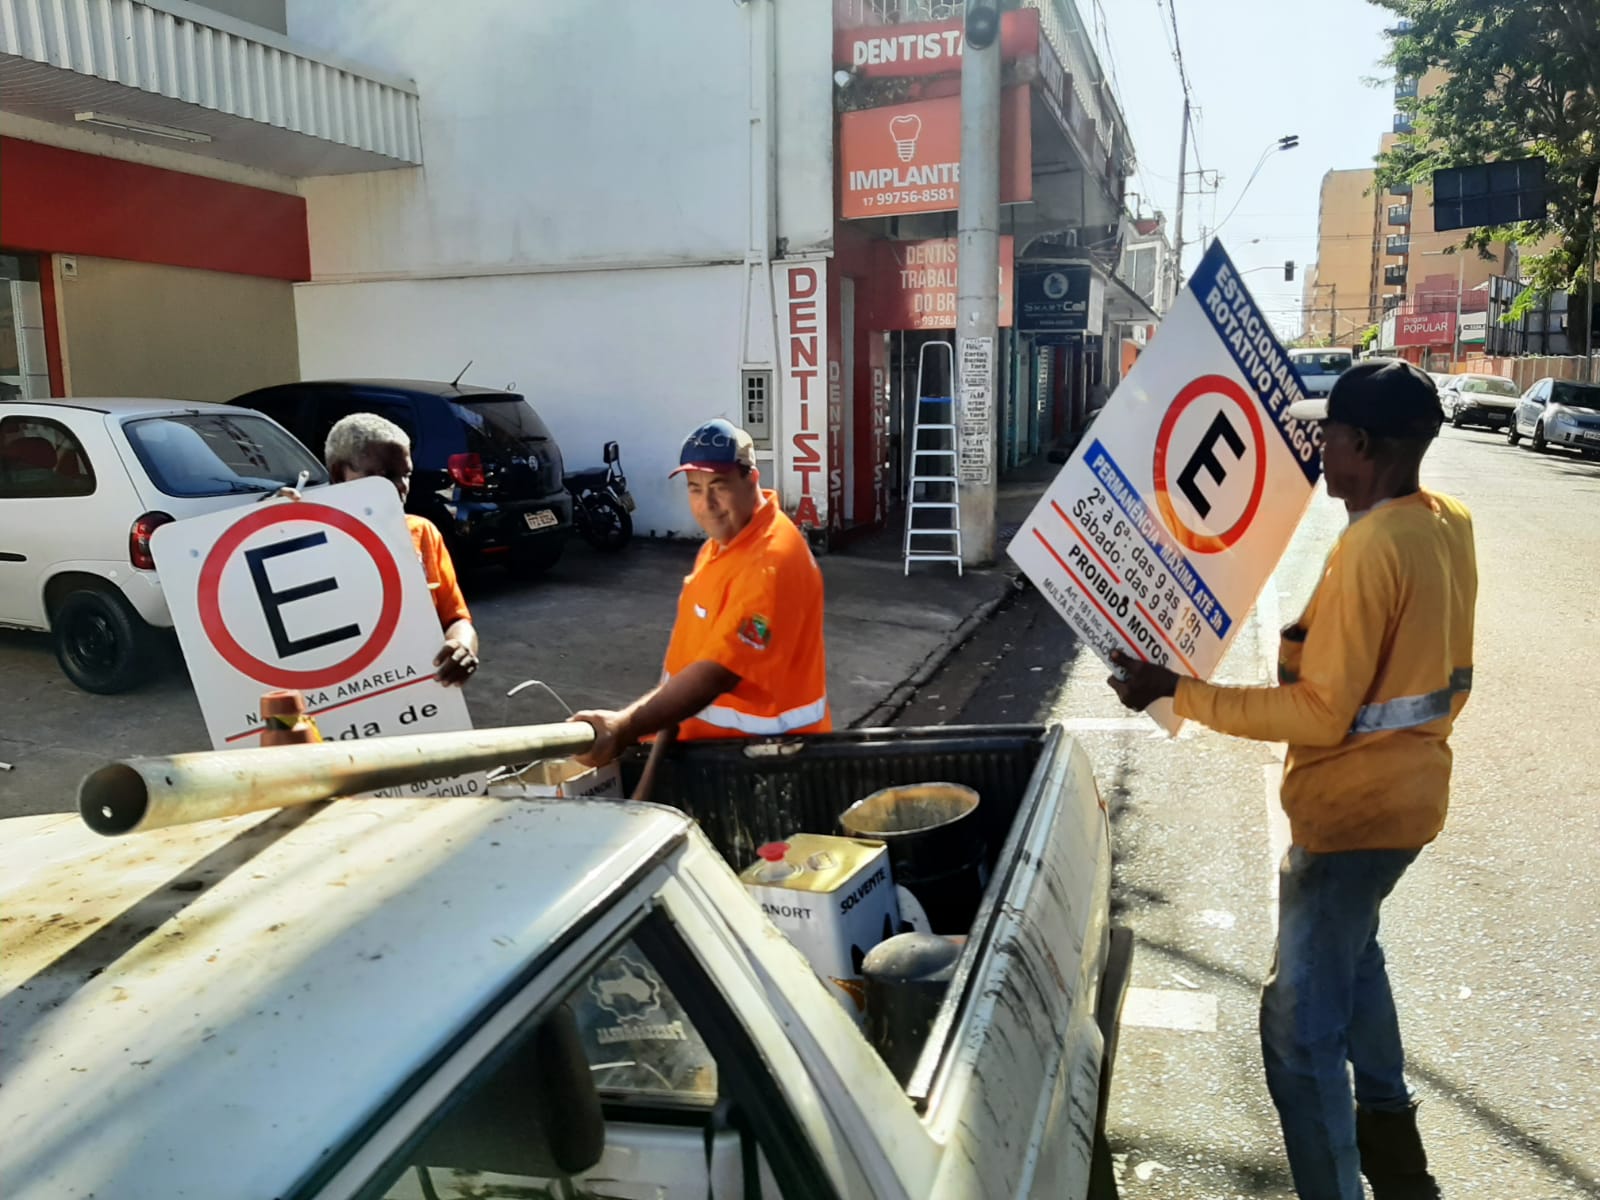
[(1399, 450)]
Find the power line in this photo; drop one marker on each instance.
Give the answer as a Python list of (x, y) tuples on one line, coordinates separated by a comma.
[(1103, 29), (1175, 45)]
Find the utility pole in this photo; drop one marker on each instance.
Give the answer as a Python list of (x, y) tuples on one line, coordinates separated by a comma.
[(1455, 344), (1177, 229), (1588, 290), (978, 285)]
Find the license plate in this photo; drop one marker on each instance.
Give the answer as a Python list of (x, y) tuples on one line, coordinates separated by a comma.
[(627, 501), (1591, 437), (543, 519)]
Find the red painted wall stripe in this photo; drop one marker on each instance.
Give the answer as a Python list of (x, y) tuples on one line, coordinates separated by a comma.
[(63, 202)]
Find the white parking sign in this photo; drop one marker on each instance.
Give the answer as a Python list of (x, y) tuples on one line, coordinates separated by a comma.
[(1157, 537), (324, 595)]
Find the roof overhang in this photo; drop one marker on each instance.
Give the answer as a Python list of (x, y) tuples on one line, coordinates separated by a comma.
[(171, 73)]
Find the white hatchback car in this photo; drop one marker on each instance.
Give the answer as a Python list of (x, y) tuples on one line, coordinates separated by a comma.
[(84, 483)]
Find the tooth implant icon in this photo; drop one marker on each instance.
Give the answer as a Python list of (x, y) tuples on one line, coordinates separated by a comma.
[(905, 130)]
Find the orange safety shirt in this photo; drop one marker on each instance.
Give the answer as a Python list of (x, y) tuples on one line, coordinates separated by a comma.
[(443, 589), (755, 607)]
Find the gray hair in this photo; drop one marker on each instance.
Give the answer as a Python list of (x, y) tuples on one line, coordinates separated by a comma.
[(352, 437)]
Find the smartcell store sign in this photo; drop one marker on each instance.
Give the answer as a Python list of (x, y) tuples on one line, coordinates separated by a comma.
[(906, 158)]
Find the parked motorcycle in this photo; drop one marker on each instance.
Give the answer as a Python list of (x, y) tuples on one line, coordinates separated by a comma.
[(601, 504)]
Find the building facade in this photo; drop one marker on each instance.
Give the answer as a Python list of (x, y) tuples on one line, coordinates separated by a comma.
[(1378, 255), (641, 216), (152, 227)]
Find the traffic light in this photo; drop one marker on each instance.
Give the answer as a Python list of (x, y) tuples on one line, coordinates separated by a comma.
[(1288, 271)]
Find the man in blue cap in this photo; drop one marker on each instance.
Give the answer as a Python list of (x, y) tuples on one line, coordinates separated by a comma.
[(746, 657)]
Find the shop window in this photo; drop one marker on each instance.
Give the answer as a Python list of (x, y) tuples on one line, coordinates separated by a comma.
[(24, 367), (756, 388)]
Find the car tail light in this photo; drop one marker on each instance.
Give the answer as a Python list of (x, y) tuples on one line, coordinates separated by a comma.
[(466, 469), (139, 539)]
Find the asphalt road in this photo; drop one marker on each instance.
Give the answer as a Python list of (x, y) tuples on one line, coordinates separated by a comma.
[(1493, 937)]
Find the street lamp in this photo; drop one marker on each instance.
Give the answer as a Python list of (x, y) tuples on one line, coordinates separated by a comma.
[(1288, 141)]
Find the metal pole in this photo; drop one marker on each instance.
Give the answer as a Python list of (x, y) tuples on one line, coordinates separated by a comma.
[(978, 298), (1588, 292), (1455, 348), (1177, 230)]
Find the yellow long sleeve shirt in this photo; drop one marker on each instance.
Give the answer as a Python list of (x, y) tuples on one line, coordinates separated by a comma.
[(1371, 680)]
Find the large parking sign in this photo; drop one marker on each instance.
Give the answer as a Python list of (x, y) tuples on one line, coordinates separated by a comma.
[(324, 595), (1157, 537)]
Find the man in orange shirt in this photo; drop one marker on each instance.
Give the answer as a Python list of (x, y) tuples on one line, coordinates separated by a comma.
[(365, 445), (746, 657)]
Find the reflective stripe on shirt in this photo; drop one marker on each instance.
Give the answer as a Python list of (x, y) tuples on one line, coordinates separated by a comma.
[(741, 722), (1407, 712)]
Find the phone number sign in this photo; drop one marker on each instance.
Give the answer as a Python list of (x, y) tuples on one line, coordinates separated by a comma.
[(1158, 535)]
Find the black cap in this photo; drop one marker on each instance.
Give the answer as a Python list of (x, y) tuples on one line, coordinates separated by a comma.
[(1385, 396)]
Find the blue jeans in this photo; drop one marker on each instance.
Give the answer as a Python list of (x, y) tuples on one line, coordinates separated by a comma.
[(1326, 1004)]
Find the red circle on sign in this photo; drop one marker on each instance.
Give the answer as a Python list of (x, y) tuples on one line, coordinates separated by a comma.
[(246, 663), (1206, 543)]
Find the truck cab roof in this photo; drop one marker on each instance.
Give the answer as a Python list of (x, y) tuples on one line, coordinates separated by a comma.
[(266, 980)]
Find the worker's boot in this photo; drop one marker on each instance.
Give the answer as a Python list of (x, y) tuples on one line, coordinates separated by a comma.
[(1392, 1157)]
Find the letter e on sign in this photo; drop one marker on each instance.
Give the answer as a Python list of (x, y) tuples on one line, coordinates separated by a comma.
[(296, 582), (1210, 465)]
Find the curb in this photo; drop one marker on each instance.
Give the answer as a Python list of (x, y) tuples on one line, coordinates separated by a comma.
[(897, 700)]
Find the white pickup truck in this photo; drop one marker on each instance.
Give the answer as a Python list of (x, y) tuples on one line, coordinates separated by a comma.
[(411, 999)]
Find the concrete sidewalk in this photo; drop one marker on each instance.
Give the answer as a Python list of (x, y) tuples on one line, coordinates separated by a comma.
[(594, 630)]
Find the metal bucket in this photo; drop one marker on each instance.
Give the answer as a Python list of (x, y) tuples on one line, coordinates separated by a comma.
[(936, 849)]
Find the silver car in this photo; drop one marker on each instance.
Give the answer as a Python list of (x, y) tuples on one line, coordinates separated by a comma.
[(1558, 412), (1486, 400)]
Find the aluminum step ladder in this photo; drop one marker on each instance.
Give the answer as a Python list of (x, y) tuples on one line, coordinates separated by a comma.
[(933, 490)]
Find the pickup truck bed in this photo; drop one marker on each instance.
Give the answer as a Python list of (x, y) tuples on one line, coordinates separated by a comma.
[(746, 793)]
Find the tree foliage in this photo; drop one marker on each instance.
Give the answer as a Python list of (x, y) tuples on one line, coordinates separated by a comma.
[(1524, 78)]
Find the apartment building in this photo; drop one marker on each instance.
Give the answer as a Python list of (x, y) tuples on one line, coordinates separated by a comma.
[(1377, 250)]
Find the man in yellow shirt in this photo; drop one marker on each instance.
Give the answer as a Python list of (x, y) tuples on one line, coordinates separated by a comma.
[(1370, 681)]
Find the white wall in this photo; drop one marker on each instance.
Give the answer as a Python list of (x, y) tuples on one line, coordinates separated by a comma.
[(805, 124), (564, 132), (641, 357), (596, 178)]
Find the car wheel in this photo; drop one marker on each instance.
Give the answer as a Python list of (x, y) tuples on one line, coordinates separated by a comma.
[(1512, 436), (1456, 421), (103, 646), (531, 564), (1537, 442)]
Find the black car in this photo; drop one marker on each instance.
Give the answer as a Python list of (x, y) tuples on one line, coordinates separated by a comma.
[(486, 469)]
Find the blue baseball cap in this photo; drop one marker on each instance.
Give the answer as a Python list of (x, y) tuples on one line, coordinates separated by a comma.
[(719, 447)]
